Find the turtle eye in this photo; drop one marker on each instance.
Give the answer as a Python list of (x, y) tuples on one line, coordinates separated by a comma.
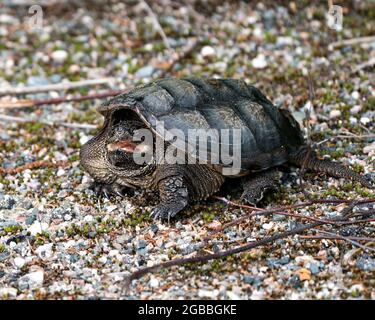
[(120, 130)]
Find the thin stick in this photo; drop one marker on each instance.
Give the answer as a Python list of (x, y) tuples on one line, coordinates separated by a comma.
[(34, 165), (37, 103), (6, 118), (73, 125), (355, 243), (280, 209), (308, 140), (364, 136), (350, 42), (367, 64), (323, 237), (156, 23), (54, 87), (192, 44)]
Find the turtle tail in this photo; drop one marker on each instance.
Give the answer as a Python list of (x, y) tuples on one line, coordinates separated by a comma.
[(334, 169)]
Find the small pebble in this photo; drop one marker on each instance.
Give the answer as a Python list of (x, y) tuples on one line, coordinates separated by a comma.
[(335, 114), (154, 283), (259, 62), (59, 56), (355, 95), (207, 51), (19, 262), (356, 109), (31, 280)]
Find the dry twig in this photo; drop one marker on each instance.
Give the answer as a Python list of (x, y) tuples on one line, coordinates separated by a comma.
[(72, 125), (54, 87), (156, 23), (34, 165), (37, 103), (346, 214), (351, 42)]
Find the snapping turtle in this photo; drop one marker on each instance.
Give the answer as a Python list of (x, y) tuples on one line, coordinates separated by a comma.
[(267, 137)]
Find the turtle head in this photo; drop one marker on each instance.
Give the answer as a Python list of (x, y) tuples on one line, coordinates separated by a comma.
[(122, 144)]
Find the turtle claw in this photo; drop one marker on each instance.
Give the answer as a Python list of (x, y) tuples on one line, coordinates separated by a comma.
[(108, 190), (164, 212), (251, 197)]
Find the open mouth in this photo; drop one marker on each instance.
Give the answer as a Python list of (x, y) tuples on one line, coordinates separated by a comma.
[(123, 145), (128, 146)]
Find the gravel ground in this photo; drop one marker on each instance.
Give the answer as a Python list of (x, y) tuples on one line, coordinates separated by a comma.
[(58, 240)]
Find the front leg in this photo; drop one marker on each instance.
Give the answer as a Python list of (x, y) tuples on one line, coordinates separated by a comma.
[(109, 189), (174, 195)]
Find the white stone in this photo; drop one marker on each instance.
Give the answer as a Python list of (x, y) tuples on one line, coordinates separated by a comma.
[(268, 226), (334, 114), (31, 280), (8, 19), (69, 244), (259, 62), (365, 120), (232, 295), (88, 218), (353, 120), (74, 68), (60, 172), (355, 95), (357, 108), (113, 253), (284, 41), (258, 32), (3, 32), (103, 259), (44, 251), (59, 56), (207, 51), (19, 262), (212, 294), (37, 227), (154, 283), (145, 72), (257, 295)]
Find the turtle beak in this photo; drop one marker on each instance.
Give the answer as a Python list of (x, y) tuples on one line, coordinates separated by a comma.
[(124, 145), (128, 146)]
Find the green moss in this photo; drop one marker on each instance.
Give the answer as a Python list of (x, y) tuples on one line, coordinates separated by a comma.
[(208, 216), (358, 168), (335, 154), (3, 248), (13, 228), (269, 37), (369, 104), (137, 217), (334, 192), (42, 238), (74, 157)]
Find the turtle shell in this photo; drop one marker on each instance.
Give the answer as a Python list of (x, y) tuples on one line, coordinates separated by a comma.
[(267, 134)]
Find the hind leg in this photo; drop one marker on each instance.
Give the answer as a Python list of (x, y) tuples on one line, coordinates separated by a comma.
[(256, 185)]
